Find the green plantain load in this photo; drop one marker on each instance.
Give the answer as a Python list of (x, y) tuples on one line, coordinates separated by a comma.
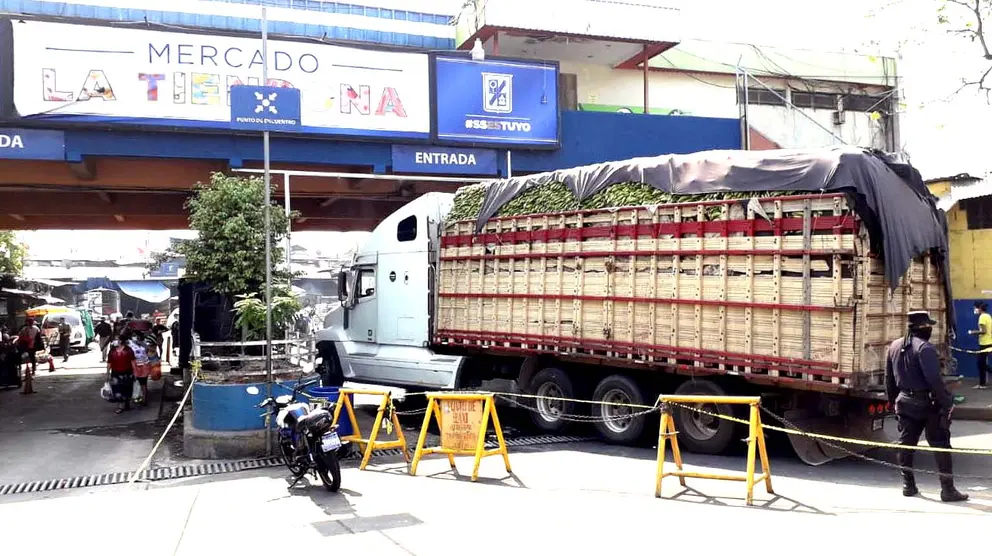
[(556, 197)]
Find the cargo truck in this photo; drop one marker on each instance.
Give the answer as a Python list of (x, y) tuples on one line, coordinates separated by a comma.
[(794, 297)]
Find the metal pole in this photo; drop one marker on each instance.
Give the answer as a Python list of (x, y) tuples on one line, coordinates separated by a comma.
[(289, 225), (509, 164), (647, 82), (268, 235)]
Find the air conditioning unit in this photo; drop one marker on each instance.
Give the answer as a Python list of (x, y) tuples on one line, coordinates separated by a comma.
[(840, 117)]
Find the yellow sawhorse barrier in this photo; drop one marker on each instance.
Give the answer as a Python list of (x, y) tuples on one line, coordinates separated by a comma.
[(755, 441), (463, 427), (369, 444)]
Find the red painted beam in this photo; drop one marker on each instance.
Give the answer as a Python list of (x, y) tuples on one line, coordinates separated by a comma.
[(652, 50)]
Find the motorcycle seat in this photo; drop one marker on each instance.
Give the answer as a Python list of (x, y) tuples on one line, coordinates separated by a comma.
[(316, 420)]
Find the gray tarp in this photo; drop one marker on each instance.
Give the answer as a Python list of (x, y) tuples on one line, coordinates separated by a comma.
[(889, 194)]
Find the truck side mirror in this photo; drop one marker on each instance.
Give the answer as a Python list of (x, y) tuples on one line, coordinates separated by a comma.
[(342, 286)]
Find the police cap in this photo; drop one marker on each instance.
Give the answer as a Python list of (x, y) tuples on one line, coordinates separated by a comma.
[(920, 319)]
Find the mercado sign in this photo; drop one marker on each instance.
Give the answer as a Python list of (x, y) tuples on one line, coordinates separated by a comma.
[(497, 102), (81, 73)]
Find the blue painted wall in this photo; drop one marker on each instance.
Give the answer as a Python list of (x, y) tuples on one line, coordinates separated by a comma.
[(587, 138), (966, 320), (591, 137)]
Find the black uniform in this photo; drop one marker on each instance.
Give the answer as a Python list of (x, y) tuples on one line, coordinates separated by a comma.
[(916, 389)]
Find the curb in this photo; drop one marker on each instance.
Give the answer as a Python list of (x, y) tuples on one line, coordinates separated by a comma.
[(965, 413)]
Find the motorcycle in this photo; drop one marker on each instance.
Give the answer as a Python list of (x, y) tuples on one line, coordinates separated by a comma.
[(307, 440)]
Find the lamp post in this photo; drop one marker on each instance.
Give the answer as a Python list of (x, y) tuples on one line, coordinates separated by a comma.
[(267, 179)]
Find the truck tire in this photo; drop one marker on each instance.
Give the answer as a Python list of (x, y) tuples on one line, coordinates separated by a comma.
[(547, 414), (331, 372), (698, 432), (614, 422)]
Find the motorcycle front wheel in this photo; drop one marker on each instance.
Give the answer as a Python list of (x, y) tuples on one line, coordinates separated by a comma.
[(329, 470)]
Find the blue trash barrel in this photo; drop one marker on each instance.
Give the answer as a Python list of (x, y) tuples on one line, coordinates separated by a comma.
[(330, 394)]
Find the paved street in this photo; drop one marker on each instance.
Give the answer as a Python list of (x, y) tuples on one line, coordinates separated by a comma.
[(582, 497), (43, 435)]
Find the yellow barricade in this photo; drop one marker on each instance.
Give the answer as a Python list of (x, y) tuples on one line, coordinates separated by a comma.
[(369, 444), (755, 441), (463, 420)]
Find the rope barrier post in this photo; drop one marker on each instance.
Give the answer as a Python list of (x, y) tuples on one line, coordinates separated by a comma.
[(369, 444), (464, 420), (756, 444), (667, 429)]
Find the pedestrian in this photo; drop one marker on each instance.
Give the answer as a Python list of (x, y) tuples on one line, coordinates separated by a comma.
[(10, 360), (65, 339), (158, 330), (103, 333), (984, 333), (141, 368), (922, 402), (120, 368), (30, 340), (174, 334)]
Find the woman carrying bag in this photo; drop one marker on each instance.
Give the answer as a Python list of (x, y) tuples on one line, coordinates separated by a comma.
[(121, 364)]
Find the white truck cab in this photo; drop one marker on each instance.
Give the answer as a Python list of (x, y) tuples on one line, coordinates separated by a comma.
[(381, 333)]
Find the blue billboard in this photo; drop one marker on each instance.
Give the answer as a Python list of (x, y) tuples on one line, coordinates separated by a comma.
[(496, 102)]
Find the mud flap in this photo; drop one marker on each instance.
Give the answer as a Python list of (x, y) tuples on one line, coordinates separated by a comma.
[(816, 452)]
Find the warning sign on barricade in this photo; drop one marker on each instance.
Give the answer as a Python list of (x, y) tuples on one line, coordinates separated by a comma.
[(464, 420), (385, 416), (755, 443)]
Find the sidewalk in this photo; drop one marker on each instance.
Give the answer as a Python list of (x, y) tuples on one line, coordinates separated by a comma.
[(580, 499), (977, 404)]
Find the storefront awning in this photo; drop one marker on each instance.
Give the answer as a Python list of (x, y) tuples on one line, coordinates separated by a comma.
[(51, 283), (152, 292)]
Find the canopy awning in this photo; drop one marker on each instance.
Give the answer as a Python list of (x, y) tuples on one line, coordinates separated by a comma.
[(51, 283), (25, 293), (152, 292)]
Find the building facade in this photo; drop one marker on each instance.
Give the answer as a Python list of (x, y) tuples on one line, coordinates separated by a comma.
[(114, 109), (967, 200)]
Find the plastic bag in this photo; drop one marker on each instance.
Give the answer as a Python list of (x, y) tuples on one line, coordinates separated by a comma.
[(106, 392)]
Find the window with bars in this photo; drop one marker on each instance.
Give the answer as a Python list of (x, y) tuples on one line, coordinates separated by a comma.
[(825, 101), (979, 212), (760, 95), (865, 103)]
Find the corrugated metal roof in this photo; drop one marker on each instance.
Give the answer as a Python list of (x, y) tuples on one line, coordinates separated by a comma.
[(960, 192)]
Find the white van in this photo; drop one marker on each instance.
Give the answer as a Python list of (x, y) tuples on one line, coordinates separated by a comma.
[(73, 319)]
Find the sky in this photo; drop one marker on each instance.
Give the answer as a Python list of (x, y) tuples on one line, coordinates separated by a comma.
[(941, 130)]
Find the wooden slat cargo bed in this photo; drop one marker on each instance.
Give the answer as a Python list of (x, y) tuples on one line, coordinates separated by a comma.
[(781, 290)]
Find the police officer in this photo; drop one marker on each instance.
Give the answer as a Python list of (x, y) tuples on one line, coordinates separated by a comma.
[(922, 402)]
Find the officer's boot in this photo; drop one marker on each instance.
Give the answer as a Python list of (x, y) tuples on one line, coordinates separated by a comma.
[(905, 459), (947, 491)]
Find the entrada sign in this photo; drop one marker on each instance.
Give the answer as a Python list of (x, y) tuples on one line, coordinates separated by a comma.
[(497, 102), (137, 76), (443, 160), (32, 144)]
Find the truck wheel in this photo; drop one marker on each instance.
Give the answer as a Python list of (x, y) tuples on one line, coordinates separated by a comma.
[(331, 371), (548, 413), (615, 422), (699, 432)]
